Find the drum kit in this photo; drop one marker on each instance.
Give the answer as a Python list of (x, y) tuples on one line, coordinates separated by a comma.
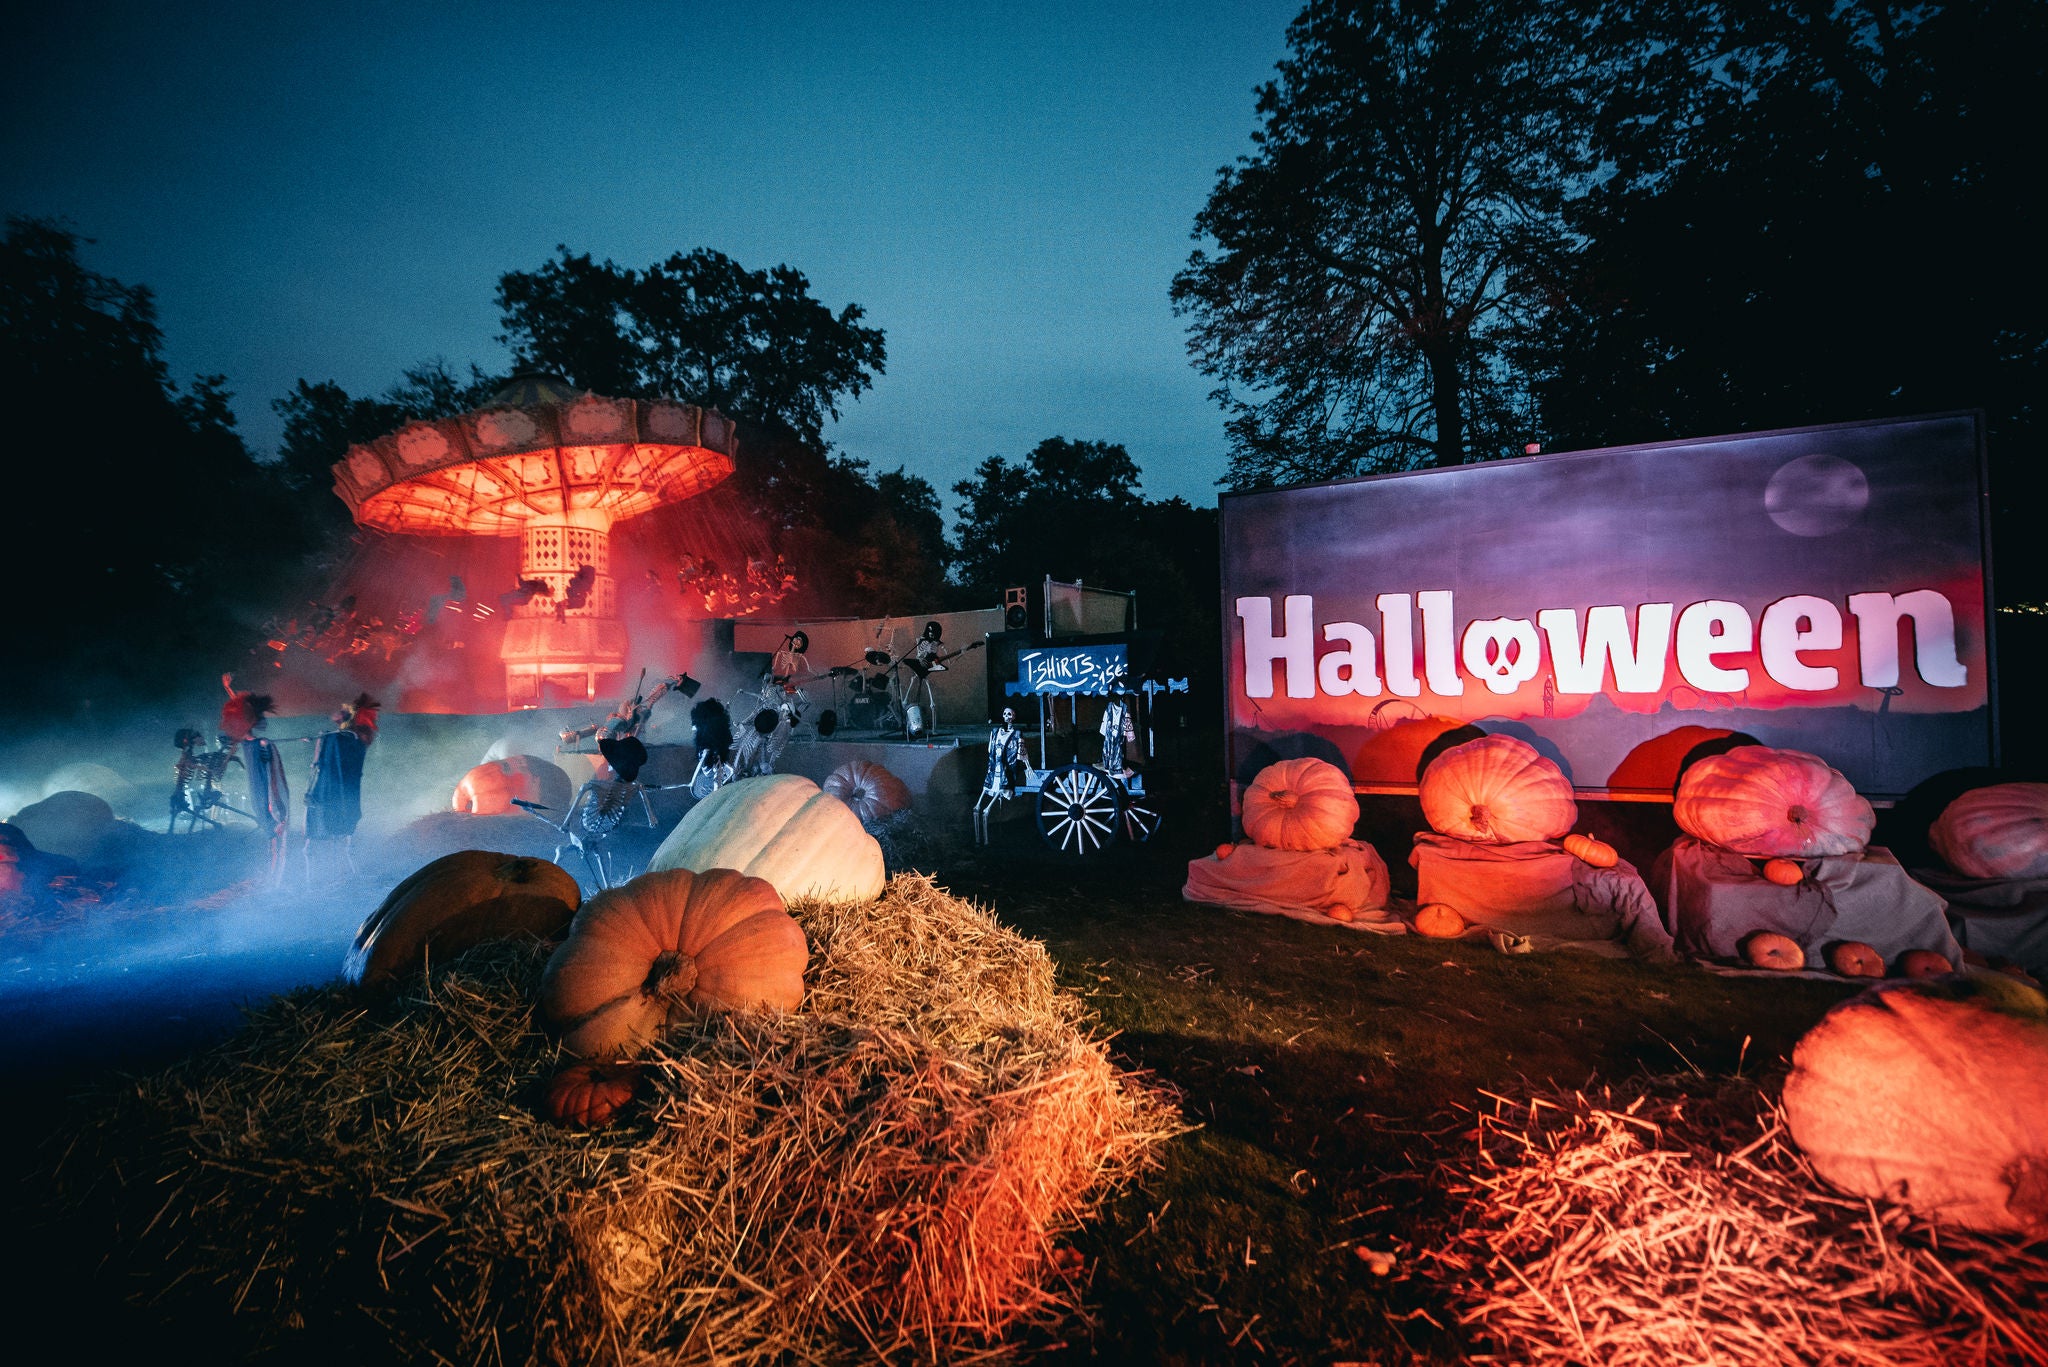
[(893, 693)]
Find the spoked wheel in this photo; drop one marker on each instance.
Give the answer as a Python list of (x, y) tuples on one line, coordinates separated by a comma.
[(1140, 818), (1079, 810)]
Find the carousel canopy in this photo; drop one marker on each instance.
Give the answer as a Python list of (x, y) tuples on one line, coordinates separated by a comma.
[(539, 450)]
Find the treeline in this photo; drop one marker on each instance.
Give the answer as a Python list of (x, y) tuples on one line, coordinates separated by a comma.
[(1472, 226), (175, 544)]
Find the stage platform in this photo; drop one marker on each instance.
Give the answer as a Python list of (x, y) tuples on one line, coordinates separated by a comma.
[(943, 773)]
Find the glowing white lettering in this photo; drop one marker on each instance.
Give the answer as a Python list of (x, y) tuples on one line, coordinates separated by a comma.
[(1505, 652), (1502, 654), (1715, 627), (1352, 669), (1934, 638), (1638, 666), (1296, 646), (1801, 622)]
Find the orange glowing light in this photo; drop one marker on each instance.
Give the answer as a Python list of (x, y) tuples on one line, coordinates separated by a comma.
[(556, 469)]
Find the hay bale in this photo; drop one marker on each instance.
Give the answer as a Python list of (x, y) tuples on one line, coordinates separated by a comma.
[(1673, 1222), (883, 1174)]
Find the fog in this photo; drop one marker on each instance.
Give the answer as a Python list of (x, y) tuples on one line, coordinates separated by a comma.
[(150, 942)]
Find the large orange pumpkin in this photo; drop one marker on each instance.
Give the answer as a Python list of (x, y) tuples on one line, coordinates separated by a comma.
[(1497, 789), (1995, 832), (458, 901), (488, 789), (1761, 801), (665, 946), (1935, 1092), (1300, 804), (873, 792), (784, 828)]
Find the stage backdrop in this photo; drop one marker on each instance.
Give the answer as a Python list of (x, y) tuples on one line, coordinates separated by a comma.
[(1822, 589)]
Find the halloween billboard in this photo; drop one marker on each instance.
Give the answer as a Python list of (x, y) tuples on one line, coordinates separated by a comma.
[(1822, 589)]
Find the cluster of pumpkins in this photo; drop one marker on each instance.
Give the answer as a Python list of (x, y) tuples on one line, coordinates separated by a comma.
[(706, 928)]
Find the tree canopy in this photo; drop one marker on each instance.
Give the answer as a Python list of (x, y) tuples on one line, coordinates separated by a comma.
[(1384, 244), (698, 327), (169, 533)]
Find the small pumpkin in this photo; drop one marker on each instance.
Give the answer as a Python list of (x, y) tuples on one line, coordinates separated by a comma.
[(1768, 949), (1922, 963), (1935, 1092), (666, 946), (1786, 873), (1300, 804), (784, 828), (1764, 802), (1439, 922), (488, 789), (1497, 789), (871, 791), (1589, 850), (1995, 832), (1854, 959), (1225, 851), (590, 1096), (458, 901)]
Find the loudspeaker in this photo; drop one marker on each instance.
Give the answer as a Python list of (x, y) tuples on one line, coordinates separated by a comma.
[(1016, 617), (828, 722)]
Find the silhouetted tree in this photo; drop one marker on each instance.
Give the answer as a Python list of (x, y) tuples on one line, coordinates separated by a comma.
[(168, 531), (698, 327), (1813, 213), (1379, 250), (1073, 510)]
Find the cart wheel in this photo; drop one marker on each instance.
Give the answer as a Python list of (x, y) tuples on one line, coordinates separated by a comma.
[(1140, 818), (1078, 809)]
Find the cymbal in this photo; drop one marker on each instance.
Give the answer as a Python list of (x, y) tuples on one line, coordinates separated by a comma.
[(878, 658)]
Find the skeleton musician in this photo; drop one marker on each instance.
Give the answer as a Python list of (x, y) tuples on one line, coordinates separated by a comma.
[(601, 805), (270, 797)]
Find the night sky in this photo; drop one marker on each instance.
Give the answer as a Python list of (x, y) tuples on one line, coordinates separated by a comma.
[(331, 191)]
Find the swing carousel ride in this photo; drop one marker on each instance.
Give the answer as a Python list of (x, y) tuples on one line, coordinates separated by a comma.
[(557, 469)]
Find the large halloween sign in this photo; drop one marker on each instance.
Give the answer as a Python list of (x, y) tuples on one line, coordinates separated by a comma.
[(1821, 589)]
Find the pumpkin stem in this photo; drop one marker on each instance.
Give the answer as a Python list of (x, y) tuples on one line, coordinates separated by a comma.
[(672, 976), (1482, 820), (1284, 798), (1796, 815), (2027, 1176)]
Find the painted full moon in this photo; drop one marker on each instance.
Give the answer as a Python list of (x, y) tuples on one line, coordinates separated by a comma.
[(1815, 495)]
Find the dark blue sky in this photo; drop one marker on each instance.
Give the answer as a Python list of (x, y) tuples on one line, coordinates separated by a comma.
[(331, 191)]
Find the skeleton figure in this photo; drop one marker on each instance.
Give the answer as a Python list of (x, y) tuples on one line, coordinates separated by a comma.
[(711, 733), (602, 805), (195, 782), (629, 716), (334, 802), (270, 797), (1119, 730), (767, 734), (1005, 752)]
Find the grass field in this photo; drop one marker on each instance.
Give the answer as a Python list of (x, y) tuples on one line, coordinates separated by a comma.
[(1323, 1067)]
